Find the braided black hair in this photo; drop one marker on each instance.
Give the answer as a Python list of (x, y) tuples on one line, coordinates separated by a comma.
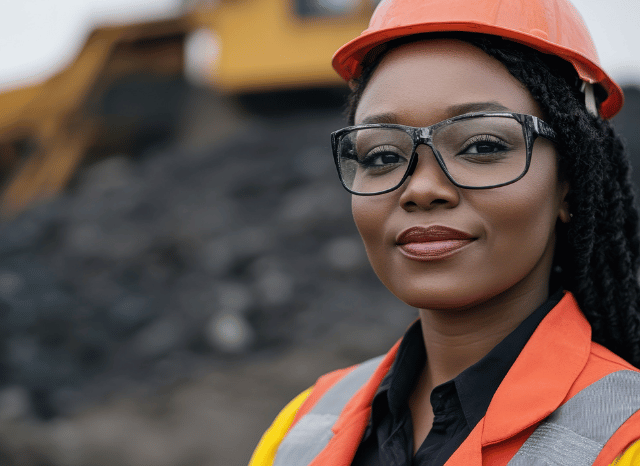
[(597, 253)]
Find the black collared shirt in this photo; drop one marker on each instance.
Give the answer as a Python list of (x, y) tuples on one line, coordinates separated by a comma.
[(458, 405)]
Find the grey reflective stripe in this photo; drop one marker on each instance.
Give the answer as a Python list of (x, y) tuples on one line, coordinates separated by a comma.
[(312, 433), (575, 433)]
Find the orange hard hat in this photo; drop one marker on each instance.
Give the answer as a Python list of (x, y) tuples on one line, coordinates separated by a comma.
[(549, 26)]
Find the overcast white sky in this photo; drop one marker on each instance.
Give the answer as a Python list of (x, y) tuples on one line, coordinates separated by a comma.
[(38, 37)]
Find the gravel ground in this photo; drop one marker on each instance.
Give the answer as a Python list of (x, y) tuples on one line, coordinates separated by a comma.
[(211, 419)]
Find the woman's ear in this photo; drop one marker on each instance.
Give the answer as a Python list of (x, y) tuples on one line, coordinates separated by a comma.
[(564, 213)]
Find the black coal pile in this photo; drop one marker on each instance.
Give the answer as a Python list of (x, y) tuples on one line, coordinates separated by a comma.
[(151, 268)]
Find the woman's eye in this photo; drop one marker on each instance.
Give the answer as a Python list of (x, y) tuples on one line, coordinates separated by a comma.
[(484, 145), (382, 157)]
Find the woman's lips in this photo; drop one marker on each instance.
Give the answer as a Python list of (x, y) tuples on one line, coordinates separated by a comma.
[(431, 243)]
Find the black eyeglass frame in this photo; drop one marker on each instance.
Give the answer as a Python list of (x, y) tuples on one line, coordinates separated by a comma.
[(532, 127)]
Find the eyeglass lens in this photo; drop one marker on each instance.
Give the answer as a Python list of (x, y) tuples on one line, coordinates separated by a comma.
[(477, 152)]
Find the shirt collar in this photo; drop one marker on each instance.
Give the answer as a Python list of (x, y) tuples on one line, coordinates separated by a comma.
[(475, 386)]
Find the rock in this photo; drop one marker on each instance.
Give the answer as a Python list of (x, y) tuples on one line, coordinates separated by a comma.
[(275, 287), (233, 298), (217, 255), (315, 162), (10, 284), (14, 403), (229, 333), (102, 178), (346, 253), (159, 338), (129, 312)]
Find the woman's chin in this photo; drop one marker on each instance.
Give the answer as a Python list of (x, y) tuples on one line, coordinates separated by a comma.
[(441, 301)]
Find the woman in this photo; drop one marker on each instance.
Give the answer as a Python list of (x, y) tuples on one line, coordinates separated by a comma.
[(491, 193)]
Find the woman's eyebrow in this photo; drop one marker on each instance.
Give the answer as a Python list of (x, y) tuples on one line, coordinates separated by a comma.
[(461, 109), (390, 118), (477, 107)]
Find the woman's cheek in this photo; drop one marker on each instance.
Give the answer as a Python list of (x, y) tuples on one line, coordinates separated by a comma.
[(370, 215), (519, 221)]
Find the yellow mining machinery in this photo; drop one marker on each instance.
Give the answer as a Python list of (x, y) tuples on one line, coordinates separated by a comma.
[(47, 130)]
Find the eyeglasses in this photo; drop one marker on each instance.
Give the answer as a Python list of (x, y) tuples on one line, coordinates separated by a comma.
[(474, 150)]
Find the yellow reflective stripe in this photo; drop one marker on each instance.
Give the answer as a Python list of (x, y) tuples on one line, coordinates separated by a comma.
[(631, 457), (266, 450)]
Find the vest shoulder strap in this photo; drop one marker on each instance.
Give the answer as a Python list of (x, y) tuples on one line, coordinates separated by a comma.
[(573, 434), (577, 431), (313, 431)]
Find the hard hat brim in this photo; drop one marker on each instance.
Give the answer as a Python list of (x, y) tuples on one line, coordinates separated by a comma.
[(348, 60)]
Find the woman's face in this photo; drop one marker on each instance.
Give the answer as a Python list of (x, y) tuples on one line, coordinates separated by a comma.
[(505, 236)]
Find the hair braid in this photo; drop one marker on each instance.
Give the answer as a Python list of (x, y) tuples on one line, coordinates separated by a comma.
[(598, 251)]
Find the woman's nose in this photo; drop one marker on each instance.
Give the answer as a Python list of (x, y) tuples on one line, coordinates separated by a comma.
[(428, 186)]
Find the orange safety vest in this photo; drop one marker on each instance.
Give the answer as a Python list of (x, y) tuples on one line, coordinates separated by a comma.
[(557, 401)]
